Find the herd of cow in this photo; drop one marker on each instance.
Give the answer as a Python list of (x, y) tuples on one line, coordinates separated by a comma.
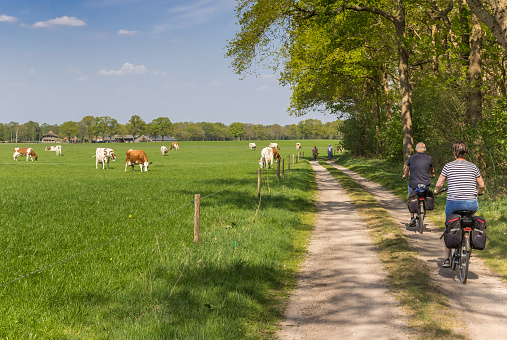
[(270, 154), (102, 155)]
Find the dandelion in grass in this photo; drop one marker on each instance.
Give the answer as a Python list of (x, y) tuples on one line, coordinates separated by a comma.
[(130, 215)]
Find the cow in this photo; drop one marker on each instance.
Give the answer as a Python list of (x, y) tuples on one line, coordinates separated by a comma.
[(137, 157), (175, 146), (163, 150), (274, 145), (252, 146), (276, 155), (103, 155), (266, 157), (298, 146), (28, 152), (57, 148)]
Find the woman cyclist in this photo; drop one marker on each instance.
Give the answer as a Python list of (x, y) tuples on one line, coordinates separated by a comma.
[(464, 183)]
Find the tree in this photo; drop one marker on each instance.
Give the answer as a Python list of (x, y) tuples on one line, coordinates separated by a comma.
[(236, 130), (136, 125), (88, 127), (262, 22), (160, 126), (494, 15), (69, 129)]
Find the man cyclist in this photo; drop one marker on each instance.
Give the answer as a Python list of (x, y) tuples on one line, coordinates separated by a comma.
[(420, 168)]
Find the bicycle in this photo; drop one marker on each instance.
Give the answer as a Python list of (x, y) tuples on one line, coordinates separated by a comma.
[(461, 256), (422, 194)]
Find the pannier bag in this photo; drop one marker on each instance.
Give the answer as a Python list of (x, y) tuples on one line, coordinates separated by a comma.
[(452, 233), (430, 200), (412, 202), (478, 239)]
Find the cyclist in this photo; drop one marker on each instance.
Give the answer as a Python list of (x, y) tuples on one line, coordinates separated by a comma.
[(420, 168), (464, 183)]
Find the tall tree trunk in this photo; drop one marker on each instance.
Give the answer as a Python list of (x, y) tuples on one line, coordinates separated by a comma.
[(494, 16), (405, 86), (475, 68)]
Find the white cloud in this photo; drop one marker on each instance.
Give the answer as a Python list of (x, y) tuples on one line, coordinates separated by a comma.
[(63, 21), (263, 88), (7, 18), (127, 68), (267, 76), (125, 32), (217, 83)]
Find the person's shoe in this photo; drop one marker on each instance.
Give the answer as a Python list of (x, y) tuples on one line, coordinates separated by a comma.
[(412, 222), (447, 263)]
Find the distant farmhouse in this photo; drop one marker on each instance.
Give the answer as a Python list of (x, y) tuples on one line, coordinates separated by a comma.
[(50, 137)]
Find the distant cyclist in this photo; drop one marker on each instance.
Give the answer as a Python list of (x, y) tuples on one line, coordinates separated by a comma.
[(420, 168), (464, 183), (315, 152)]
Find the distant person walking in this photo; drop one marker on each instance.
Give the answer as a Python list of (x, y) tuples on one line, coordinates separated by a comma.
[(315, 152), (329, 152)]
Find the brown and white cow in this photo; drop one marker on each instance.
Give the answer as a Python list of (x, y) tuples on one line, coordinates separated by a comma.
[(28, 152), (175, 146), (57, 148), (298, 146), (274, 145), (137, 157), (163, 150), (276, 155), (252, 146), (103, 155)]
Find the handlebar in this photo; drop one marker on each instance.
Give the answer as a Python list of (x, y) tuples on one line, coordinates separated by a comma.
[(441, 191)]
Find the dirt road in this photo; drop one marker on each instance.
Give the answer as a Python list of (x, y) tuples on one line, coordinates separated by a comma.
[(341, 291)]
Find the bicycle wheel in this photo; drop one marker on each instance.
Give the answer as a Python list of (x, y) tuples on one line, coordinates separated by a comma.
[(454, 258), (420, 223), (464, 261)]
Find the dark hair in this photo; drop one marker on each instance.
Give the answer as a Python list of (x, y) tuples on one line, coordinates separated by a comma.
[(460, 149)]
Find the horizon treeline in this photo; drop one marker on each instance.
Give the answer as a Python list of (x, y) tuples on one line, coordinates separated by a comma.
[(91, 127)]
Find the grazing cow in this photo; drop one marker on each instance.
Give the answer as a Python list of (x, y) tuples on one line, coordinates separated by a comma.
[(276, 155), (137, 157), (28, 152), (252, 146), (274, 145), (266, 157), (103, 155), (175, 146), (57, 148), (163, 150), (298, 146)]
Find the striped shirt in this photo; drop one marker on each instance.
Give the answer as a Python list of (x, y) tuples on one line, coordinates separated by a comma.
[(461, 180)]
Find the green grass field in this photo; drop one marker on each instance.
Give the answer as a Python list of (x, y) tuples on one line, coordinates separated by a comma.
[(108, 254)]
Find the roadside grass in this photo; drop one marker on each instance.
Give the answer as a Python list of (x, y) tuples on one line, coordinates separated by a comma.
[(492, 208), (429, 314), (108, 254)]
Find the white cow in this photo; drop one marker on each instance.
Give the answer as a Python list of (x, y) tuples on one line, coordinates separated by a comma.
[(298, 146), (103, 155), (266, 157), (274, 145), (163, 150), (252, 146)]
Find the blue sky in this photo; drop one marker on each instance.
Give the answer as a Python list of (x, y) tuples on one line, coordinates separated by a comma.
[(62, 60)]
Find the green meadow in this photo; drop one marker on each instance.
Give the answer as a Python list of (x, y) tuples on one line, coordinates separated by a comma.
[(108, 254)]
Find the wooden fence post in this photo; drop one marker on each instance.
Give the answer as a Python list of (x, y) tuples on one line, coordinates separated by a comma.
[(283, 167), (259, 183), (197, 217), (278, 169)]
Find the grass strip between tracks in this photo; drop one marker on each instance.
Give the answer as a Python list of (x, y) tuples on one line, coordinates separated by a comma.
[(429, 314)]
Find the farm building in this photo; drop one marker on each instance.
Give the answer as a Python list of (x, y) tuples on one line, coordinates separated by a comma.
[(50, 137)]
